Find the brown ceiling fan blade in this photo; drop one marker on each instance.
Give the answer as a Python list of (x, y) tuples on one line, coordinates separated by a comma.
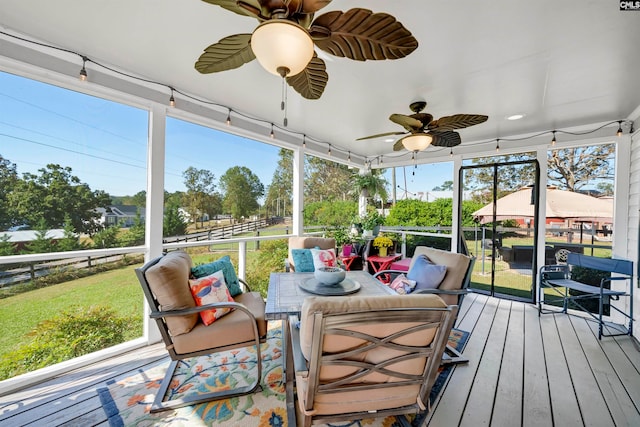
[(457, 121), (310, 83), (307, 6), (229, 53), (445, 139), (361, 34), (398, 145), (244, 7), (407, 122), (380, 135)]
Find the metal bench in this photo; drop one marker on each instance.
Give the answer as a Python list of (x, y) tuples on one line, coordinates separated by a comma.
[(558, 278)]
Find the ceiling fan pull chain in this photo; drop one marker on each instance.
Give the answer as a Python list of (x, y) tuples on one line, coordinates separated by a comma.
[(415, 165), (283, 104)]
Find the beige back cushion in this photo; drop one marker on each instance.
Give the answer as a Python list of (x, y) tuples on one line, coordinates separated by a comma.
[(351, 304), (456, 266), (169, 283), (306, 242)]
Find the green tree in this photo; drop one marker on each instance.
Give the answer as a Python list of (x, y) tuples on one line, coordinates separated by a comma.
[(200, 189), (446, 186), (134, 235), (42, 243), (6, 247), (70, 241), (106, 238), (331, 214), (55, 194), (279, 192), (574, 168), (8, 179), (174, 223), (327, 181), (241, 189)]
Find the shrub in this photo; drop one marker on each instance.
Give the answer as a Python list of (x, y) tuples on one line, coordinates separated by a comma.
[(72, 333), (270, 258)]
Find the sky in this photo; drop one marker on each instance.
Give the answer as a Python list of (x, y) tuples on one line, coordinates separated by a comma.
[(104, 142)]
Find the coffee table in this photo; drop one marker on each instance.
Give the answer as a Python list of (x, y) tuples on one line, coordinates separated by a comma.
[(285, 298)]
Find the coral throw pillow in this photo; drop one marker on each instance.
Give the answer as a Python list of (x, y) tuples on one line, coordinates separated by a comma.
[(324, 258), (402, 285), (208, 290)]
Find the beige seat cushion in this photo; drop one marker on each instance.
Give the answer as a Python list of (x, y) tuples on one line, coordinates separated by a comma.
[(374, 398), (351, 304), (307, 242), (232, 328), (457, 265), (169, 283)]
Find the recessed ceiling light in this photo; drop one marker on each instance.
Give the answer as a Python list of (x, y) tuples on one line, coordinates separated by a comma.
[(389, 140), (515, 117)]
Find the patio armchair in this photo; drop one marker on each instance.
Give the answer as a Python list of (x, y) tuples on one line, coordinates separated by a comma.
[(365, 357), (165, 283), (306, 242), (453, 287)]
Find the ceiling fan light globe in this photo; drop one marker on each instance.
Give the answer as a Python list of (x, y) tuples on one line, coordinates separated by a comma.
[(417, 142), (281, 44)]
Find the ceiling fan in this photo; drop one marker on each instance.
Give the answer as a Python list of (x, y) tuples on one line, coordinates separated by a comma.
[(423, 131), (284, 41)]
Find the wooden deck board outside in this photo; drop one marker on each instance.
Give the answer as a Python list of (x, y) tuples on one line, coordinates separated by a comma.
[(594, 410), (547, 371), (482, 396), (507, 408), (614, 394), (564, 404)]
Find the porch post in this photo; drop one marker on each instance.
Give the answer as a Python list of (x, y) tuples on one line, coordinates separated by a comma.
[(541, 156), (621, 226), (455, 218), (155, 201), (298, 192)]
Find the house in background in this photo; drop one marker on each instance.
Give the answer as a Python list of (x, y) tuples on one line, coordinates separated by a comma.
[(122, 215), (21, 238)]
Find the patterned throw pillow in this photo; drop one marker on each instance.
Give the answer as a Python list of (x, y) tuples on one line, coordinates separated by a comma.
[(208, 290), (323, 258), (402, 285), (224, 264)]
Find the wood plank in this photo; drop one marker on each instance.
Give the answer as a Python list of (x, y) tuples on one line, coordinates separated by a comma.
[(631, 348), (507, 409), (480, 403), (615, 395), (536, 404), (594, 410), (624, 362), (564, 404), (454, 397), (467, 302), (35, 402)]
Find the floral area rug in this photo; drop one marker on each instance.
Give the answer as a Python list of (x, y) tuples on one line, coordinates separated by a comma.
[(127, 402)]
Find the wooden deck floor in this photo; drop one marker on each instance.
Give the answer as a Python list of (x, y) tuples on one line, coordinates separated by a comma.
[(523, 370)]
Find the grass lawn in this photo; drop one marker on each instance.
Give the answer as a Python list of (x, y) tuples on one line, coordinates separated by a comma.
[(118, 289)]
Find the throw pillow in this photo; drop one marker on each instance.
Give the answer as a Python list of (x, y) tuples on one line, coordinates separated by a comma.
[(426, 274), (169, 281), (302, 260), (402, 285), (227, 268), (209, 290), (324, 258)]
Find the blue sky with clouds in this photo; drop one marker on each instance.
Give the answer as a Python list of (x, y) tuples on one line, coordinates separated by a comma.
[(105, 142)]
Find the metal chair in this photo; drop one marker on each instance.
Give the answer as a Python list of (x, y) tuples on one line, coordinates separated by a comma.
[(165, 283), (363, 357)]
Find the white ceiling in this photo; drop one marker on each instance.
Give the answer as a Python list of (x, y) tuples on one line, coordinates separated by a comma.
[(562, 63)]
